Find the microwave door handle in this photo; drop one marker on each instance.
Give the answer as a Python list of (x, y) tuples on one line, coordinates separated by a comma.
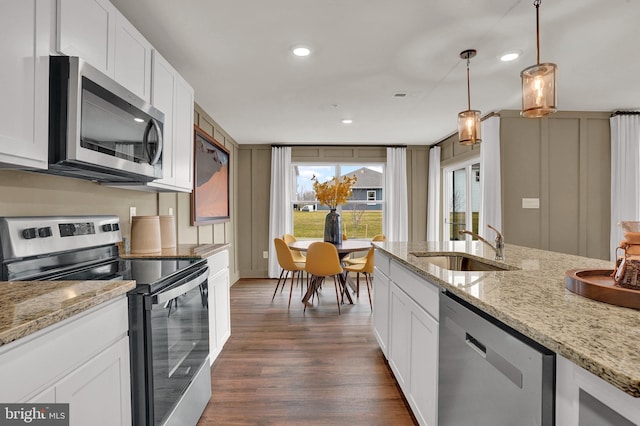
[(172, 293), (145, 141)]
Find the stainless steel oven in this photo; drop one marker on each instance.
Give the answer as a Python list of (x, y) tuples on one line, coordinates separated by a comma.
[(99, 130), (168, 309)]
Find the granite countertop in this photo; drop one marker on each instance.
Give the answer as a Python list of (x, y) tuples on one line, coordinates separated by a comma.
[(187, 251), (29, 306), (601, 338)]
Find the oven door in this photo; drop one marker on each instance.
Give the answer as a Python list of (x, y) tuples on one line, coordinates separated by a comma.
[(178, 323)]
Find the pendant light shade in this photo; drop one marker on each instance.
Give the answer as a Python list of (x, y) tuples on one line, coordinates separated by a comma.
[(469, 120), (538, 82)]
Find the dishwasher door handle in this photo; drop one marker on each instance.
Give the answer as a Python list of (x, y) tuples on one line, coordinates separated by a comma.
[(507, 369), (475, 345)]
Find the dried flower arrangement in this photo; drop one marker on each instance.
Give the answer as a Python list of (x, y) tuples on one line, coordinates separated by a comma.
[(334, 192)]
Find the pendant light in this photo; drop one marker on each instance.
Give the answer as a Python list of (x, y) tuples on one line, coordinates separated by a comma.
[(538, 82), (469, 120)]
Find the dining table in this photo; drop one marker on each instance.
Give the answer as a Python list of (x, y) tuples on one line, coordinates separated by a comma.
[(345, 248)]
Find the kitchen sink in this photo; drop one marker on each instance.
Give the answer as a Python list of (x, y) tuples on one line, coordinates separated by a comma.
[(460, 262)]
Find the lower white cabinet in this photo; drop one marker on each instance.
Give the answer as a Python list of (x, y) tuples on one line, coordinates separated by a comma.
[(409, 305), (82, 361), (583, 399), (219, 303)]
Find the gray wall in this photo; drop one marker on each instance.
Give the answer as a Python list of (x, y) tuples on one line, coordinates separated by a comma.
[(564, 160), (254, 164)]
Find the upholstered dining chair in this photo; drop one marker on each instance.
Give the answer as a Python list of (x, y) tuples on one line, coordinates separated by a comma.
[(288, 264), (365, 269), (297, 255), (323, 262)]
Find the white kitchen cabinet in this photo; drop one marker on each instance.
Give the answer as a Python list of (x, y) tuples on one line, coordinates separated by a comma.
[(25, 27), (97, 32), (172, 95), (381, 310), (412, 310), (219, 303), (583, 399), (82, 360), (132, 58)]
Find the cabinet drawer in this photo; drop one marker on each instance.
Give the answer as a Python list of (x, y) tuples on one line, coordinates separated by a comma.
[(381, 261), (218, 262), (38, 360), (424, 293)]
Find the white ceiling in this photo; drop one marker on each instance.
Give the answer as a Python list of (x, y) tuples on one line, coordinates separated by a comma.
[(235, 53)]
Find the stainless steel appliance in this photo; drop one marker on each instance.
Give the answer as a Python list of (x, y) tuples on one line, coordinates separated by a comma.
[(489, 374), (168, 309), (99, 130)]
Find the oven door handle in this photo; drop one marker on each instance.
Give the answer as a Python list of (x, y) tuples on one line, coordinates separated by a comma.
[(173, 292)]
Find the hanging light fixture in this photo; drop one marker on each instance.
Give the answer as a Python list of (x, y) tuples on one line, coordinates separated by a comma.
[(469, 120), (538, 82)]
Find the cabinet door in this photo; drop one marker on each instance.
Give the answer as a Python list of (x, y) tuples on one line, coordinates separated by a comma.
[(219, 313), (98, 392), (399, 336), (86, 29), (381, 310), (24, 83), (132, 58), (162, 97), (183, 135), (423, 361)]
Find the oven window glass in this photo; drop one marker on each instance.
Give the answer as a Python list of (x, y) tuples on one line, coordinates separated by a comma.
[(114, 127), (180, 345)]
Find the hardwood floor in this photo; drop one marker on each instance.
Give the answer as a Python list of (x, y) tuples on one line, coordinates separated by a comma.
[(287, 367)]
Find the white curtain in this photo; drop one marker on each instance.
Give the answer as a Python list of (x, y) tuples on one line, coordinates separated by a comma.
[(490, 192), (396, 218), (280, 211), (625, 173), (433, 202)]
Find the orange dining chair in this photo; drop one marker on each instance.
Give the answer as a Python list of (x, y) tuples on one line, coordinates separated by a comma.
[(322, 262), (285, 259), (297, 254), (365, 269), (363, 259)]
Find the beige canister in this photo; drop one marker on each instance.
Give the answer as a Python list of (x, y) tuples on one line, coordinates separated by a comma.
[(168, 231), (145, 235)]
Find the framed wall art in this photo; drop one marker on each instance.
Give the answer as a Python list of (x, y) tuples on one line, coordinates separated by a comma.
[(210, 196)]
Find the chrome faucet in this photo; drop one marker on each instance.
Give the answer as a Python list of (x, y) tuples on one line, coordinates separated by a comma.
[(498, 248)]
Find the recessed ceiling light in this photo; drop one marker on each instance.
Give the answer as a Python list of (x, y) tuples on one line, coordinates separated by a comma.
[(510, 56), (301, 51), (139, 120), (347, 121)]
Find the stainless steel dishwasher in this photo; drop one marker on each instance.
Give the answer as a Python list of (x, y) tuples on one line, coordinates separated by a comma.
[(489, 374)]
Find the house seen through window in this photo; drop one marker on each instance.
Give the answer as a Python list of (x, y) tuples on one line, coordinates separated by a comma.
[(361, 215)]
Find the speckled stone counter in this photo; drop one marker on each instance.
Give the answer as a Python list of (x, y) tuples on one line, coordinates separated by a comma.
[(29, 306), (186, 251), (599, 337)]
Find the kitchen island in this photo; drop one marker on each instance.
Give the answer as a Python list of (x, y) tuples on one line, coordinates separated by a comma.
[(531, 298)]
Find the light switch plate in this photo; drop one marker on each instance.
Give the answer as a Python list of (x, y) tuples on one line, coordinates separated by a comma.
[(132, 213), (531, 203), (265, 254)]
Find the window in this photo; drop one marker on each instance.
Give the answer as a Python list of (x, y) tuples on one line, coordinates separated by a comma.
[(462, 199), (361, 215)]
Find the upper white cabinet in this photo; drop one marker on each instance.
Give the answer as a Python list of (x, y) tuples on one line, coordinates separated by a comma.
[(172, 95), (25, 27), (97, 32)]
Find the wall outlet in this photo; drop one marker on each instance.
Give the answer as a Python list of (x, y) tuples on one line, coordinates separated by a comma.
[(170, 211), (265, 254), (132, 213)]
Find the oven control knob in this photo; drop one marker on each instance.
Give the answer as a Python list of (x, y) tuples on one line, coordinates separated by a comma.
[(29, 233), (115, 227), (44, 232), (106, 227)]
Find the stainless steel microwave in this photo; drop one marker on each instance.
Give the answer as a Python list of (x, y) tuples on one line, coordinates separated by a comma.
[(98, 129)]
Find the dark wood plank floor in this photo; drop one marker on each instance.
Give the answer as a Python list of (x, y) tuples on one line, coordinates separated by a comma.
[(287, 367)]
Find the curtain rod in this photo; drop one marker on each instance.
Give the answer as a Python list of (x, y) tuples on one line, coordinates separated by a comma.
[(614, 113)]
